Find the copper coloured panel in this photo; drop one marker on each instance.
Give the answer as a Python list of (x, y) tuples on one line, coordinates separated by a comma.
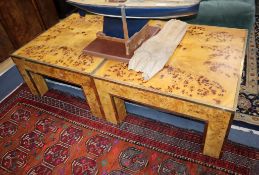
[(107, 49), (110, 49)]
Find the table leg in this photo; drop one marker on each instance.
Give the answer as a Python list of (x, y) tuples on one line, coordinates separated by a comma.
[(113, 107), (26, 76), (217, 131), (89, 89), (120, 108), (84, 81), (40, 83), (218, 121)]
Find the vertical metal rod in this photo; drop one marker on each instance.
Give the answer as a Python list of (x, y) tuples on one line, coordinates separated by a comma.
[(124, 23)]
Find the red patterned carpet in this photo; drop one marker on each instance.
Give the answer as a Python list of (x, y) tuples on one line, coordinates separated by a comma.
[(56, 134)]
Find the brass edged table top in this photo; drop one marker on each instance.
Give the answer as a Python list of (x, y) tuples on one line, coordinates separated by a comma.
[(206, 68)]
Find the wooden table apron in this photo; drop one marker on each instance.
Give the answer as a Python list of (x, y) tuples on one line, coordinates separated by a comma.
[(33, 74), (217, 121)]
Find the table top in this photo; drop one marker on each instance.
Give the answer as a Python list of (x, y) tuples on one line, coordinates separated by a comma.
[(61, 46), (206, 68)]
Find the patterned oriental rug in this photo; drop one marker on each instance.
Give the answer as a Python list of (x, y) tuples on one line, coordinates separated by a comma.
[(56, 134), (248, 102)]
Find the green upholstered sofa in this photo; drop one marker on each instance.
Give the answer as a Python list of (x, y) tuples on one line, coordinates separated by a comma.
[(226, 13)]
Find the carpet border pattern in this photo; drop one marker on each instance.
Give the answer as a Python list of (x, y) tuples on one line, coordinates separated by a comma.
[(228, 162)]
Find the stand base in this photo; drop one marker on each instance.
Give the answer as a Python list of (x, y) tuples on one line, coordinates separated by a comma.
[(110, 49)]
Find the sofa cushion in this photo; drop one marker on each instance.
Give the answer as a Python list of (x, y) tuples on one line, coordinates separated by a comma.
[(226, 13)]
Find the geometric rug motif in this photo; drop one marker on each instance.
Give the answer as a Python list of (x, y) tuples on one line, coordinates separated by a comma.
[(56, 134), (248, 102)]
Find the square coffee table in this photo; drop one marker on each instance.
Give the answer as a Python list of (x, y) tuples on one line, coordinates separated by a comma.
[(201, 81), (57, 53)]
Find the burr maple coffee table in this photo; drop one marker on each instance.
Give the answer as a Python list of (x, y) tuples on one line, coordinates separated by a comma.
[(201, 81), (57, 53)]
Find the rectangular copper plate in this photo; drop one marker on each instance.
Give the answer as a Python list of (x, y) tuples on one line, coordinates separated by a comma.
[(111, 49)]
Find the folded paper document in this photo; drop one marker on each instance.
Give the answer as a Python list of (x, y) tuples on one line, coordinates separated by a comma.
[(153, 54)]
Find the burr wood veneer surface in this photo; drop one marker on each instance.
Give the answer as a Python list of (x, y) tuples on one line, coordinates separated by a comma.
[(205, 68), (62, 45)]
